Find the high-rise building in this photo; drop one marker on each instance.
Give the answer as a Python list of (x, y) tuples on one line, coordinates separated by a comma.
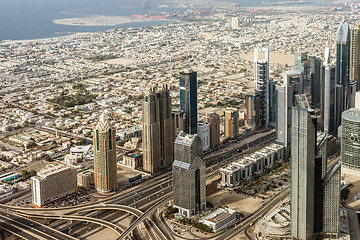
[(354, 74), (350, 152), (253, 113), (302, 63), (272, 102), (315, 80), (214, 120), (292, 84), (303, 147), (188, 174), (261, 76), (51, 182), (105, 166), (331, 202), (342, 60), (231, 125), (204, 134), (158, 140), (188, 100), (178, 122), (328, 94)]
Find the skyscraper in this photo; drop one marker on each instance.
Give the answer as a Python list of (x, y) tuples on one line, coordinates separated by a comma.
[(231, 124), (188, 173), (188, 99), (214, 120), (315, 80), (105, 171), (342, 60), (253, 117), (261, 72), (303, 146), (328, 101), (302, 63), (158, 140), (354, 74), (292, 84), (350, 152)]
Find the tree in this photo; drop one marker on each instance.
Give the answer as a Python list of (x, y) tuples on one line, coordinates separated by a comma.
[(3, 148), (48, 158)]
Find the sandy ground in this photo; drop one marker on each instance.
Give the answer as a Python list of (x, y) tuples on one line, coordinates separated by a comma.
[(121, 61), (275, 58), (237, 202), (102, 20)]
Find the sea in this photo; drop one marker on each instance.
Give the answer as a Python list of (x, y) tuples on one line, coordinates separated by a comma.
[(33, 19)]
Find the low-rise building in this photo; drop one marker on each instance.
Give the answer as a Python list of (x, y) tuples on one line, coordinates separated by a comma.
[(246, 167), (219, 219), (53, 182), (133, 160), (85, 179)]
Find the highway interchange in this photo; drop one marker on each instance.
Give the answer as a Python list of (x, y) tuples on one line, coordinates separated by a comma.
[(138, 202)]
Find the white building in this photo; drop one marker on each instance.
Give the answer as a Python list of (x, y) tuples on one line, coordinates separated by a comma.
[(246, 167), (55, 181), (203, 131), (219, 219), (235, 23)]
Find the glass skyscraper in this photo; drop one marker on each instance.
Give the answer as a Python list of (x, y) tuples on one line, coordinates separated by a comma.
[(342, 60), (350, 140), (188, 100)]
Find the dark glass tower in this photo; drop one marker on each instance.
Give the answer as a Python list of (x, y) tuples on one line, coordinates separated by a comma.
[(342, 61), (188, 100)]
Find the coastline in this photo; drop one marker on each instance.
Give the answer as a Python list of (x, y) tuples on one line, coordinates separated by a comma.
[(75, 34)]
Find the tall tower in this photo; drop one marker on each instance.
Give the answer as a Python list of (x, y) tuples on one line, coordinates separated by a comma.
[(231, 124), (292, 84), (214, 120), (303, 139), (354, 74), (261, 76), (350, 152), (253, 106), (188, 173), (158, 140), (342, 60), (105, 156), (188, 99), (328, 101)]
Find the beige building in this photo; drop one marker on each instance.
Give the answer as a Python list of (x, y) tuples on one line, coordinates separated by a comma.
[(85, 179), (214, 120), (53, 182), (105, 168), (231, 125), (354, 55), (133, 160), (158, 140)]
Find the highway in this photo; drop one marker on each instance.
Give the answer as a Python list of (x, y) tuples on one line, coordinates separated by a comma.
[(29, 229)]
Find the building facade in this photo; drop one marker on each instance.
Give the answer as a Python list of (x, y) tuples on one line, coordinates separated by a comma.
[(350, 152), (328, 94), (214, 120), (292, 84), (157, 130), (261, 77), (253, 107), (204, 134), (188, 100), (189, 177), (219, 219), (354, 68), (303, 146), (231, 126), (105, 167), (85, 178), (342, 61), (53, 182)]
